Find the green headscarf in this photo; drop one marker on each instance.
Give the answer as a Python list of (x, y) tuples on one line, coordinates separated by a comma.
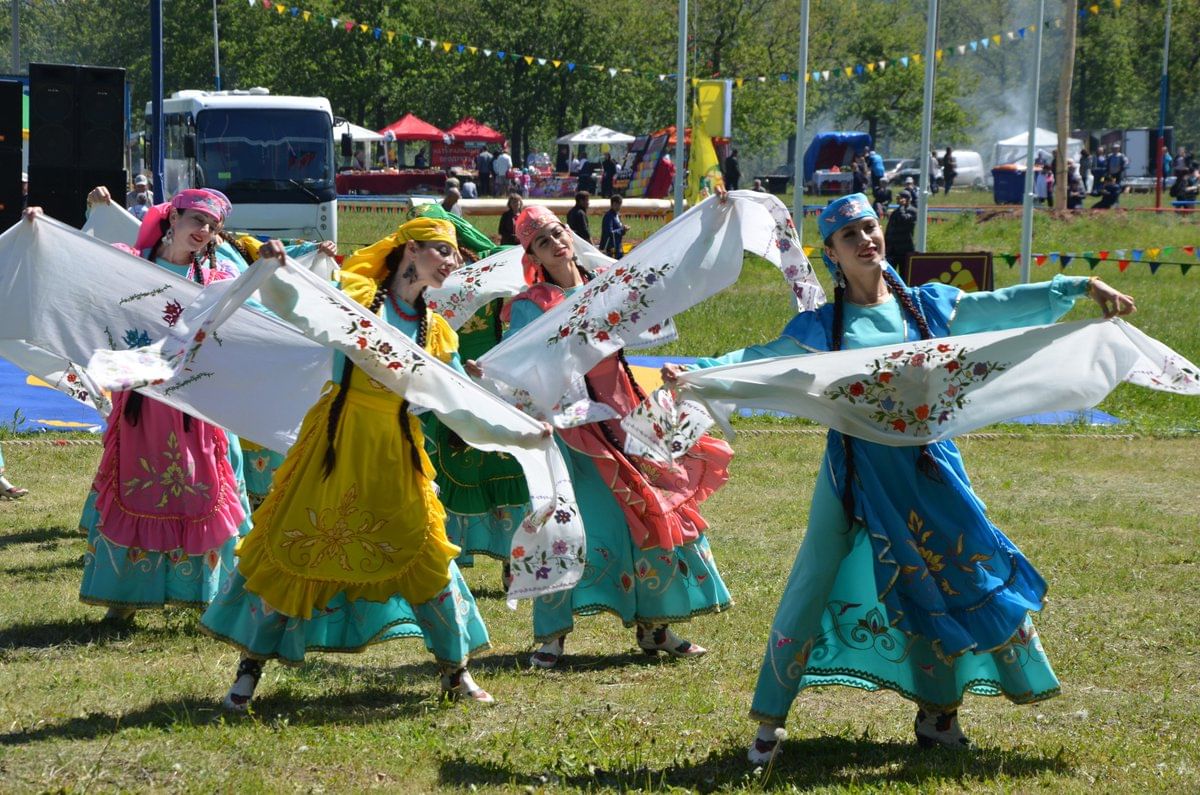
[(468, 236)]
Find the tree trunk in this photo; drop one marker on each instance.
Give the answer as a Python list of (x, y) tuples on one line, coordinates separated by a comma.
[(1071, 16)]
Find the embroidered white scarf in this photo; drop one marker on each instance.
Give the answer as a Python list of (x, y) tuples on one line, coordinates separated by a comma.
[(922, 392), (695, 256)]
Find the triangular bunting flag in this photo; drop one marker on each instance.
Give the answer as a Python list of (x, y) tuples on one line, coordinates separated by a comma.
[(1053, 257), (1137, 255), (349, 25), (1189, 249), (460, 48), (333, 22), (1092, 262), (974, 46), (870, 67), (849, 70), (739, 82), (825, 75), (1039, 259), (473, 50), (1154, 267), (487, 53), (500, 54), (420, 41), (391, 35), (996, 40), (571, 68), (1122, 265), (904, 60), (1009, 259), (1185, 267), (541, 61), (364, 28), (962, 49), (446, 45), (612, 72), (556, 64), (279, 9), (306, 14), (882, 65), (1153, 252), (1103, 254), (1066, 260)]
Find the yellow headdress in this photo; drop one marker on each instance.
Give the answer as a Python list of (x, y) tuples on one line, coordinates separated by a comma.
[(363, 270)]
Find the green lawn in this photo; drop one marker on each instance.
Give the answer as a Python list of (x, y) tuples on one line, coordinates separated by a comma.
[(1110, 523)]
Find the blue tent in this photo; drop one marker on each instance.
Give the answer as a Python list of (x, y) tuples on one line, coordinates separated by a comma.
[(830, 149)]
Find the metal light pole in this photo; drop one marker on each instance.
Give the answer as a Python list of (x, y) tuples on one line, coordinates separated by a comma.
[(157, 150), (216, 48), (1030, 151), (680, 110), (801, 110), (931, 25), (1162, 112)]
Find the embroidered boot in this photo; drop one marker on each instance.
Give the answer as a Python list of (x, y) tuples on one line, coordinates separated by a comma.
[(652, 639), (457, 683), (766, 744), (939, 728), (549, 654), (249, 671)]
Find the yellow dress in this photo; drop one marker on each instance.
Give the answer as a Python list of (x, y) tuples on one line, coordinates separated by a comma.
[(371, 530)]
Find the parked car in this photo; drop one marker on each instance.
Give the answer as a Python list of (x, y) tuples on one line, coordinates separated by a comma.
[(970, 170), (893, 165)]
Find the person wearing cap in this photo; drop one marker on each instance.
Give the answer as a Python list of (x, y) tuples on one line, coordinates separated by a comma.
[(359, 466), (649, 562), (167, 502), (140, 195), (957, 619)]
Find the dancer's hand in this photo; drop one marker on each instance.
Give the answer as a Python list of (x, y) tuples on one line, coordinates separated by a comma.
[(272, 249), (547, 430), (99, 195), (328, 248), (473, 369), (1112, 302), (29, 213), (670, 372)]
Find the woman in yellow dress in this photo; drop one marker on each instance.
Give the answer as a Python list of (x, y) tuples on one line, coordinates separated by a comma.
[(350, 548)]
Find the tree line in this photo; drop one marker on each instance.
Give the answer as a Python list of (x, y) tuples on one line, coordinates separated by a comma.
[(373, 81)]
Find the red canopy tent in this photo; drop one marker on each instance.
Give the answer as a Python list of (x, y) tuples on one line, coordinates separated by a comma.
[(470, 131), (411, 128)]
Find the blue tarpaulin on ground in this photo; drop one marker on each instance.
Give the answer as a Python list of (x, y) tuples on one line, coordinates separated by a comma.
[(30, 404)]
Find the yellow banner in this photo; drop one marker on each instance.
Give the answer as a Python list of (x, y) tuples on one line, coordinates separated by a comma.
[(708, 120)]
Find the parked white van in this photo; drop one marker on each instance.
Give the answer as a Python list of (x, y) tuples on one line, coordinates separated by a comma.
[(970, 170)]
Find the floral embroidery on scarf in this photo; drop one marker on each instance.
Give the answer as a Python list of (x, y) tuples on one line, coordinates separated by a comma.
[(882, 387), (466, 295), (635, 283), (363, 333)]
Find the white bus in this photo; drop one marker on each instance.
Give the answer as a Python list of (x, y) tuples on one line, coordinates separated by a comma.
[(272, 156)]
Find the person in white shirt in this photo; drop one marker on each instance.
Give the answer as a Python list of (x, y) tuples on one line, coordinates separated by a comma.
[(501, 165)]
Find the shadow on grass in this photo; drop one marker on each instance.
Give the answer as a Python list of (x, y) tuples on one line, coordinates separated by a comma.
[(77, 632), (481, 667), (355, 707), (37, 570), (803, 764), (40, 535)]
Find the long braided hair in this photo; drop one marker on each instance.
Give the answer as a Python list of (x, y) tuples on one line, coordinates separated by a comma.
[(608, 432), (897, 289), (132, 413), (391, 266)]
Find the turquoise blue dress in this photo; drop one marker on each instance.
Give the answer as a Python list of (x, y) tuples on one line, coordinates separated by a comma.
[(117, 577), (638, 585), (840, 620), (450, 623)]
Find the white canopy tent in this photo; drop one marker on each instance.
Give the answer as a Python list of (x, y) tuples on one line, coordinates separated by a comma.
[(1014, 149), (356, 132), (596, 135)]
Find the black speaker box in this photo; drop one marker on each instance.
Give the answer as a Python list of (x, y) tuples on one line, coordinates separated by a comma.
[(100, 103), (10, 115), (76, 116), (10, 186), (52, 124)]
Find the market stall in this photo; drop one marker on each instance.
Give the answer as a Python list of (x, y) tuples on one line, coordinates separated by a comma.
[(389, 180), (463, 143)]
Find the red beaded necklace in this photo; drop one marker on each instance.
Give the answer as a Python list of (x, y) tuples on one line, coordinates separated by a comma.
[(403, 315)]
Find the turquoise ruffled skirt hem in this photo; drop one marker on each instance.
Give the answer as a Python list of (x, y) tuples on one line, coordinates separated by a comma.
[(648, 586), (488, 534), (450, 624)]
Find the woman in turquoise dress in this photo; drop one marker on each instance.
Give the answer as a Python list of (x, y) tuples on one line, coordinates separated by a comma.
[(902, 583), (7, 490), (484, 493), (648, 560)]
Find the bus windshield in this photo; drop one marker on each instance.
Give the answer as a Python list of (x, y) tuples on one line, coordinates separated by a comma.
[(248, 153)]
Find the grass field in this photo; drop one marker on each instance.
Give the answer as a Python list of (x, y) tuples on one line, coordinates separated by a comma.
[(1110, 523)]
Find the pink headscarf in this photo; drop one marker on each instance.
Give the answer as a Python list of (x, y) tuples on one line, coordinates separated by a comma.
[(211, 202), (532, 220)]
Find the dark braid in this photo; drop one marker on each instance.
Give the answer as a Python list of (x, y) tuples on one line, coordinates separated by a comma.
[(906, 300), (497, 325), (839, 304), (391, 265), (405, 421)]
